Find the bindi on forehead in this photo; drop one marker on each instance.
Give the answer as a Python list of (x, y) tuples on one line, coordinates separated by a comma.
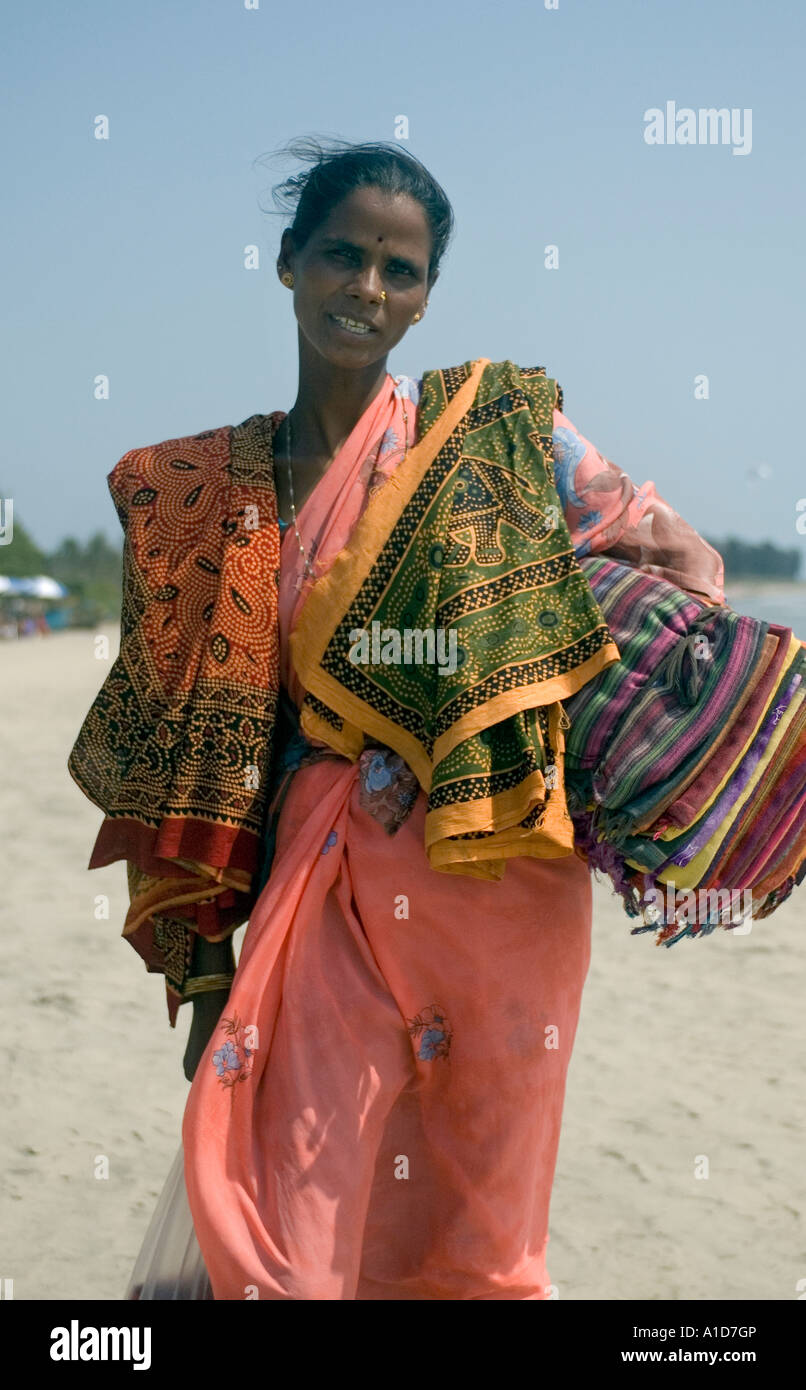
[(380, 238)]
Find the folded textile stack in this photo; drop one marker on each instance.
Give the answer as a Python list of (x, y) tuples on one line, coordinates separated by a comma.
[(685, 762)]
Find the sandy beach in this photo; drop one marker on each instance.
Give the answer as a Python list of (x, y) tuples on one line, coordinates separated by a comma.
[(683, 1053)]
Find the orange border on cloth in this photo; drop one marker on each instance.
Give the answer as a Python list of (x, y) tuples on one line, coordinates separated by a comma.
[(336, 590), (321, 614)]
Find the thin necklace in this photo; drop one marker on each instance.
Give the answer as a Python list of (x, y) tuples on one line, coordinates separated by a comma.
[(308, 566)]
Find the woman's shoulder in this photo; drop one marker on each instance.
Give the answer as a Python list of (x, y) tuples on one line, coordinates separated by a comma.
[(504, 371), (175, 468)]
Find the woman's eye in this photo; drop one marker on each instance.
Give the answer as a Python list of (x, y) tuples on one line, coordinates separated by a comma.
[(400, 270)]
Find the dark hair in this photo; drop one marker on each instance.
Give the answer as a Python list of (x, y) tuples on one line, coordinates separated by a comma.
[(338, 167)]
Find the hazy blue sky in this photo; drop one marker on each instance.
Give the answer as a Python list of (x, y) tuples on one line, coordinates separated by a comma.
[(125, 256)]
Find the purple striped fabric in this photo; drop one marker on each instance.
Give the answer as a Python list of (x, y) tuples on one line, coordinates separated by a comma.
[(745, 824), (788, 822), (721, 808), (762, 833), (688, 806), (664, 729), (647, 617)]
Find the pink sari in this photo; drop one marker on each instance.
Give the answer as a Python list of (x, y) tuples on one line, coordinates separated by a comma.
[(377, 1115)]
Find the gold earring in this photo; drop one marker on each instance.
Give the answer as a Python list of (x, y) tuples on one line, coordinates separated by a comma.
[(287, 279)]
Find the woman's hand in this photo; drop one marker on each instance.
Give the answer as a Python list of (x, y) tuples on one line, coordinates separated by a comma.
[(207, 1010)]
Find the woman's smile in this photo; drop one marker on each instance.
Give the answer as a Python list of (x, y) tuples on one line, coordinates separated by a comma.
[(357, 328)]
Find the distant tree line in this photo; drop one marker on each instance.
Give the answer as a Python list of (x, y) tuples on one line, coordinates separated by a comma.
[(756, 559), (91, 570)]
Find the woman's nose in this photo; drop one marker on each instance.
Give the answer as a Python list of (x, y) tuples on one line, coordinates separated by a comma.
[(369, 285)]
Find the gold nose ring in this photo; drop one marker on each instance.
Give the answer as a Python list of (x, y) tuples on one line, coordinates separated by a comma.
[(383, 294)]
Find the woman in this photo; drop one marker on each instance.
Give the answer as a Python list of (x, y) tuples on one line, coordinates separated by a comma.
[(377, 1094)]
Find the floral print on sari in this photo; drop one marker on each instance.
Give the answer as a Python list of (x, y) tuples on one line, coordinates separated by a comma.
[(607, 513), (234, 1059), (387, 787), (431, 1032)]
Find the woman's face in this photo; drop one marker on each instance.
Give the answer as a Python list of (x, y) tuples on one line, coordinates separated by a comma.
[(371, 241)]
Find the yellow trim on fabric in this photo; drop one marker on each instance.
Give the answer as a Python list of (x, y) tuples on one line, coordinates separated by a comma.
[(204, 892), (507, 810), (349, 740), (239, 879), (375, 726), (359, 716), (491, 870), (331, 598), (690, 875), (680, 829), (336, 590), (511, 702), (552, 839), (504, 811)]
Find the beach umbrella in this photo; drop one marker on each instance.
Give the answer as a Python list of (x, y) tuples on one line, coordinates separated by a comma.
[(40, 586)]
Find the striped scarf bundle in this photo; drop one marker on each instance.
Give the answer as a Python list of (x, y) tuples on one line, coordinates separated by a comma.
[(686, 760)]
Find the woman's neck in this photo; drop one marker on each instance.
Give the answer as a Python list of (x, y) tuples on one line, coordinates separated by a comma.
[(330, 402)]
